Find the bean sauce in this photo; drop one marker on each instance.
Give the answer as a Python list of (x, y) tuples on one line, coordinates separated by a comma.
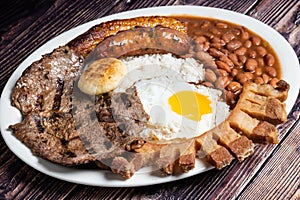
[(240, 55)]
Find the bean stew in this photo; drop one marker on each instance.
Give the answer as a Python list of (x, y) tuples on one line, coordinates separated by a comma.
[(240, 55)]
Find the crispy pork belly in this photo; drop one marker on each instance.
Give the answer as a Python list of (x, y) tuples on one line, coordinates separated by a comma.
[(252, 128), (280, 92), (187, 156), (240, 146), (208, 147), (126, 165), (258, 110), (266, 108)]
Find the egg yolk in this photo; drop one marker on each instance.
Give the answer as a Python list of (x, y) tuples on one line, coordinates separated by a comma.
[(189, 104)]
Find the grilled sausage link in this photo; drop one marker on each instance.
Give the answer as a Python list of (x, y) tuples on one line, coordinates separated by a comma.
[(86, 42), (158, 39)]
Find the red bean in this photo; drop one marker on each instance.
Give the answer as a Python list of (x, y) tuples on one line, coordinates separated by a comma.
[(200, 39), (259, 80), (261, 51), (245, 35), (234, 72), (233, 45), (251, 64), (222, 72), (233, 57), (242, 58), (215, 52), (248, 44), (234, 86), (223, 65), (241, 78), (210, 76), (274, 82), (227, 61), (252, 54), (258, 71), (256, 40), (271, 71), (266, 78), (261, 62), (221, 25), (227, 37), (269, 59), (240, 51)]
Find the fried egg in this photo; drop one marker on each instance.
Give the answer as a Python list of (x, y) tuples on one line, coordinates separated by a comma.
[(178, 109), (170, 94)]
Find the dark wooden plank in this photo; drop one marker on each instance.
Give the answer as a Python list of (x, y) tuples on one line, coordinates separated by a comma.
[(283, 17), (20, 181), (280, 175), (272, 11), (238, 6), (23, 182), (17, 15), (289, 27)]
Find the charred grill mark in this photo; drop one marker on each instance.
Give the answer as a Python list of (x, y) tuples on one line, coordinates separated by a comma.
[(38, 124), (59, 91), (108, 144), (40, 101), (125, 99), (122, 128), (93, 116)]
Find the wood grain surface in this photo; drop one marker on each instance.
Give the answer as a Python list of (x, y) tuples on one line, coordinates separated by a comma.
[(271, 173)]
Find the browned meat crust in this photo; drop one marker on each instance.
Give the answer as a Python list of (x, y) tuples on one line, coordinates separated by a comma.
[(86, 42), (52, 136), (158, 39), (47, 84)]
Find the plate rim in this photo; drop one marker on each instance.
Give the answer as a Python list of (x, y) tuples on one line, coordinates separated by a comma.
[(51, 44)]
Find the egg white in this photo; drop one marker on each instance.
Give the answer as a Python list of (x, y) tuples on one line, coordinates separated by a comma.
[(157, 78), (165, 124)]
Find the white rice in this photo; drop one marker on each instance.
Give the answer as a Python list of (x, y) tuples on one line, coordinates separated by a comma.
[(149, 66)]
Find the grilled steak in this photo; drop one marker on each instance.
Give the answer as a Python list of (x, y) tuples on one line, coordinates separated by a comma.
[(55, 125), (47, 84)]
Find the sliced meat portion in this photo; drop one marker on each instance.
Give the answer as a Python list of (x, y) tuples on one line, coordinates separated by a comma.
[(240, 146), (253, 128), (262, 105), (280, 92), (122, 117), (58, 143), (258, 110), (47, 84), (217, 155), (86, 42), (271, 110)]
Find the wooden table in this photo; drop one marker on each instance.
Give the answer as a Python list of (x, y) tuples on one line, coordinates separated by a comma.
[(272, 173)]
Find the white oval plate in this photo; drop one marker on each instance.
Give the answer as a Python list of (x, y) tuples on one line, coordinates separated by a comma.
[(10, 115)]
